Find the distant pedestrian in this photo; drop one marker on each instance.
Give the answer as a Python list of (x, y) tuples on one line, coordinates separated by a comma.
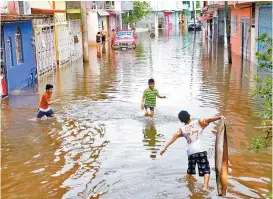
[(44, 108), (98, 37), (103, 35), (114, 35), (149, 98), (98, 40)]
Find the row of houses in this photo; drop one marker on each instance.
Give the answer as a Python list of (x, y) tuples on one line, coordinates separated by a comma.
[(37, 37), (168, 14), (248, 20), (106, 15)]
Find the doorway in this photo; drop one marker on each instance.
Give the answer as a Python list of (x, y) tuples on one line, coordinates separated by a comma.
[(245, 37)]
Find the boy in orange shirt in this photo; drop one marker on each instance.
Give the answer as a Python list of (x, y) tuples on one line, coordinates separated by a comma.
[(44, 108)]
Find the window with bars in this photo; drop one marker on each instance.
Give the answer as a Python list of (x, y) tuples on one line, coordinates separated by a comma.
[(234, 25), (9, 53), (186, 2), (21, 7), (18, 44)]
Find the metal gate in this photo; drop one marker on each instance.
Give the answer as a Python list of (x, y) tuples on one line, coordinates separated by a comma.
[(45, 46), (63, 40), (75, 39), (221, 25)]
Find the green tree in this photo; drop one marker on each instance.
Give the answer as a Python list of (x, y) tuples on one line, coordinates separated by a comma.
[(198, 5), (264, 90), (141, 9)]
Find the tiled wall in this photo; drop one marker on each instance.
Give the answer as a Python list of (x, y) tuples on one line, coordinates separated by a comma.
[(264, 21)]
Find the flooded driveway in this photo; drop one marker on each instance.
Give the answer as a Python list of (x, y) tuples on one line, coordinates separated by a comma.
[(101, 146)]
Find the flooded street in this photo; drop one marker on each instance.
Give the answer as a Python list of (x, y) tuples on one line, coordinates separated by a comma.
[(101, 146)]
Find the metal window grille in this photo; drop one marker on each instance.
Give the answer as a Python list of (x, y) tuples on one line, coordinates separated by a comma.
[(234, 25), (9, 49), (18, 42)]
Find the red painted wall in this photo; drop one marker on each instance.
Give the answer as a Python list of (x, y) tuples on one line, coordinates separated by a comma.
[(13, 8), (168, 19), (236, 39)]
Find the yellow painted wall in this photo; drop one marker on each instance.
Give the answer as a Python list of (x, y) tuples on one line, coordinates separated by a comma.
[(41, 4), (47, 4), (60, 5), (58, 18)]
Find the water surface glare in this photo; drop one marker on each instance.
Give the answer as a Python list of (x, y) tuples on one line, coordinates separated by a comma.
[(101, 146)]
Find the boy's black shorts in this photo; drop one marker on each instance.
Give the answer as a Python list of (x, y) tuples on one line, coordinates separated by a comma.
[(202, 161), (151, 108)]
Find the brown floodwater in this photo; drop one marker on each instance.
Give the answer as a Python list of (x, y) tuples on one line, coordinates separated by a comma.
[(101, 146)]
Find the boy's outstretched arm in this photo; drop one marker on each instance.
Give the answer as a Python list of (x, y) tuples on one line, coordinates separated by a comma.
[(213, 119), (175, 136), (49, 102), (160, 96), (205, 122)]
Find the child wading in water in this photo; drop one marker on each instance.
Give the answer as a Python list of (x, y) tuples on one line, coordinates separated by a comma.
[(149, 98), (193, 133), (98, 40), (44, 108)]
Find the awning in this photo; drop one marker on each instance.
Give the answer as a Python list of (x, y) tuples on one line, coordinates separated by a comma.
[(103, 13), (205, 17), (10, 18), (115, 12), (45, 11)]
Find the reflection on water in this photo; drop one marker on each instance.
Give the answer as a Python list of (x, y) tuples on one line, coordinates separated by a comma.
[(151, 138), (101, 146)]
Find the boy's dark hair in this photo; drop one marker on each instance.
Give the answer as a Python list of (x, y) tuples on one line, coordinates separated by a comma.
[(48, 86), (98, 33), (184, 116), (151, 81)]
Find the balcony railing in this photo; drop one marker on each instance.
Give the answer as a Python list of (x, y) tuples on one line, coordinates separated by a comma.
[(182, 6), (103, 5), (73, 5), (109, 6)]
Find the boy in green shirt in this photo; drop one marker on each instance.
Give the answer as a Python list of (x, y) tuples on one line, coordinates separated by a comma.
[(149, 98)]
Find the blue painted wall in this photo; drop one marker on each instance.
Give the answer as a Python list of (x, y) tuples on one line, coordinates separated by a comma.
[(18, 75), (264, 22)]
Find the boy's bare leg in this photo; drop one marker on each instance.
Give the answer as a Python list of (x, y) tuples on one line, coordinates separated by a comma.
[(38, 119), (152, 114), (148, 112), (206, 182), (53, 115)]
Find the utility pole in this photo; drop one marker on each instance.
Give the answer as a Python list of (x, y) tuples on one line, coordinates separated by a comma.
[(194, 17), (228, 33), (84, 32)]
